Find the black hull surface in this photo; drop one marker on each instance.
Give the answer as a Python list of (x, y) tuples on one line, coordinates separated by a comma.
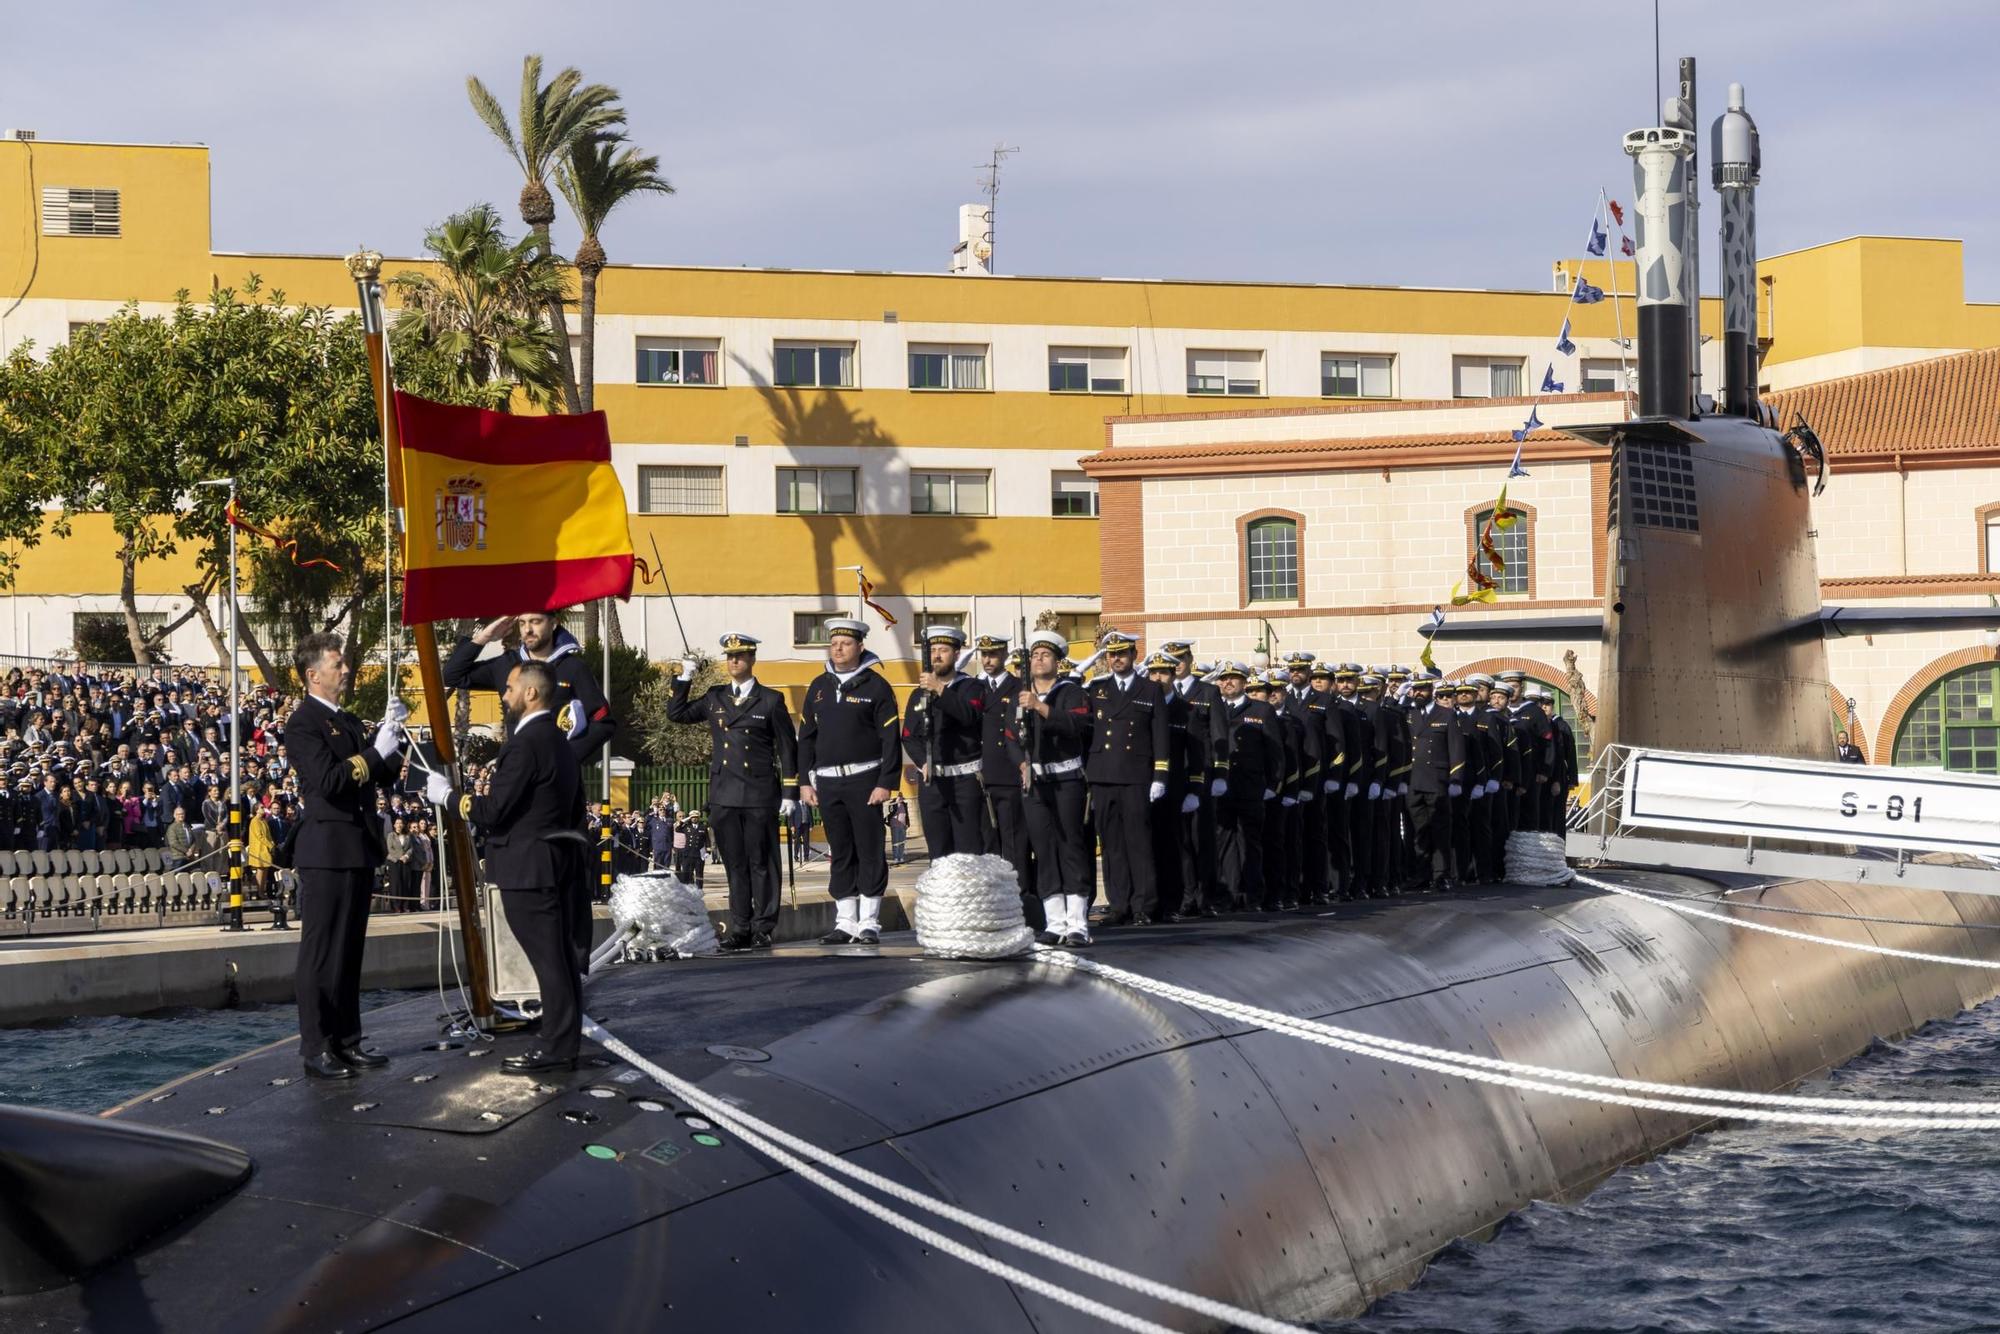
[(1255, 1168)]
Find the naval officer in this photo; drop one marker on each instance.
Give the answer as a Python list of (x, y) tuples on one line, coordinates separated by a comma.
[(752, 780), (1127, 770), (850, 747), (1208, 754), (1436, 783), (1256, 760), (340, 843), (531, 814)]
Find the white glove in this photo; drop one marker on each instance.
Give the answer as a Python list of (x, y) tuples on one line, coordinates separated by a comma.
[(1330, 786), (1374, 792), (1492, 785), (1305, 796), (788, 808), (1353, 790), (688, 669), (388, 739), (397, 712), (1156, 791), (1402, 789), (1190, 804), (1455, 790), (1478, 791), (1219, 788), (1288, 802), (1270, 795), (437, 789)]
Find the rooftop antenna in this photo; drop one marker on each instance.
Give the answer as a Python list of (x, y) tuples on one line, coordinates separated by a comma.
[(989, 185)]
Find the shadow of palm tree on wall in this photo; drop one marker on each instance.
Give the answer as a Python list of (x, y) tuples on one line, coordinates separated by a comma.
[(897, 564)]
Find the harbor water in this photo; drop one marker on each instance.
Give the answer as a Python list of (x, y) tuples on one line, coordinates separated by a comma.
[(1748, 1228)]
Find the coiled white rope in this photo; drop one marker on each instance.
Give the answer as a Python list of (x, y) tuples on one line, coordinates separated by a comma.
[(1537, 858), (1865, 947), (1501, 1073), (969, 907), (659, 909), (791, 1152)]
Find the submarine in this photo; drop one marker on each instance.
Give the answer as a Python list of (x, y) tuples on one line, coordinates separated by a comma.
[(1200, 1146)]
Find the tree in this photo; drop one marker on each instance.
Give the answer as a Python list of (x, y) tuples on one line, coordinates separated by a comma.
[(473, 330), (632, 672), (552, 118), (665, 742), (601, 173)]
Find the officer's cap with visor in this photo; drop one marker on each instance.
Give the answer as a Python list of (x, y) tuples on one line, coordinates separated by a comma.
[(1117, 641), (738, 642), (993, 643), (1161, 661)]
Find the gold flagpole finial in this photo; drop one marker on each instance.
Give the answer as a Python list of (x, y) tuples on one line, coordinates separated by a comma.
[(365, 265)]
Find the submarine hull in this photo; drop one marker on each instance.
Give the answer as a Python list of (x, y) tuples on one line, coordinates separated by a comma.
[(1252, 1167)]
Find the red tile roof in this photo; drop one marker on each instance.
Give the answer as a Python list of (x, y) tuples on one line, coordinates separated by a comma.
[(1949, 403)]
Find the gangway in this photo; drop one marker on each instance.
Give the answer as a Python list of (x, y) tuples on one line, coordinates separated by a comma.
[(1806, 819)]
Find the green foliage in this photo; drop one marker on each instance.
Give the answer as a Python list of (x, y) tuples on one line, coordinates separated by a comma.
[(632, 673), (673, 743)]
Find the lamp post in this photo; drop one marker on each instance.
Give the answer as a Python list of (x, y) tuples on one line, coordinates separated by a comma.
[(235, 725), (1266, 641)]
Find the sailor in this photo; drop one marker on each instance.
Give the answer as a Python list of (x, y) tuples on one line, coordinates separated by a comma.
[(1184, 778), (1127, 770), (850, 755), (531, 815), (1395, 696), (1507, 801), (1363, 782), (1538, 767), (1845, 751), (582, 714), (1391, 750), (1308, 704), (1436, 782), (942, 747), (1000, 774), (1472, 831), (1050, 736), (1341, 732), (1562, 741), (1208, 735), (1256, 757), (752, 782), (340, 843), (1302, 750)]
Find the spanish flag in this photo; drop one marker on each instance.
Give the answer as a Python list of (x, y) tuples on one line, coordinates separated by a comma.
[(507, 514)]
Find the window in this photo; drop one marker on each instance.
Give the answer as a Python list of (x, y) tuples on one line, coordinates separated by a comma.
[(1601, 375), (68, 211), (682, 361), (1273, 560), (951, 493), (815, 491), (1078, 627), (681, 489), (1086, 370), (927, 619), (1512, 544), (1345, 376), (809, 627), (1955, 724), (1225, 372), (1989, 539), (1073, 495), (821, 365), (947, 366), (1486, 377)]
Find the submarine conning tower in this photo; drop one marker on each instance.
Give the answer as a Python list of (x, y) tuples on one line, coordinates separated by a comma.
[(1711, 637)]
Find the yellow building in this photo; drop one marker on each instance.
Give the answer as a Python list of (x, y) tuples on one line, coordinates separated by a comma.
[(772, 426)]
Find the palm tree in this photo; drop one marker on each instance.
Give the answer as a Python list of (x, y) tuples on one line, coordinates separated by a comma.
[(473, 330), (601, 173), (553, 117)]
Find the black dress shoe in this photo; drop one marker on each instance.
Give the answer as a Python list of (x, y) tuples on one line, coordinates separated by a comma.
[(1169, 918), (322, 1065), (534, 1062), (760, 940), (359, 1059), (1047, 938), (735, 944), (837, 936), (1210, 912), (869, 936)]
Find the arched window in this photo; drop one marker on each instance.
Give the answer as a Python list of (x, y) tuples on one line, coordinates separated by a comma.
[(1955, 724), (1512, 542), (1272, 564)]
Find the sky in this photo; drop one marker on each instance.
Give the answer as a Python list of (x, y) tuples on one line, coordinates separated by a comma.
[(1423, 143)]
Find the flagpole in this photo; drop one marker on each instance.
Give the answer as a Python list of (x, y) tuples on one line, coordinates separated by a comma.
[(366, 267), (1617, 311)]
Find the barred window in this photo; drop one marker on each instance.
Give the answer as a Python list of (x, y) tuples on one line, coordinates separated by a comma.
[(1273, 560), (681, 489), (1955, 725)]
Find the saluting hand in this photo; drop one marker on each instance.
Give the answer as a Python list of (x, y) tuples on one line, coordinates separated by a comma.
[(493, 630)]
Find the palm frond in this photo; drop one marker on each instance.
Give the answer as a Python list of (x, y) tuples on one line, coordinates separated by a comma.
[(492, 116)]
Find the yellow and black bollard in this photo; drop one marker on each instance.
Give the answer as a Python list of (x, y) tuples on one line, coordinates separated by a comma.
[(604, 851), (235, 867)]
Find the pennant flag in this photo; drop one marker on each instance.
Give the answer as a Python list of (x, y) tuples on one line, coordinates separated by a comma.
[(287, 545), (1459, 599), (1550, 384), (1430, 639), (1585, 294), (1502, 516), (1617, 213), (1595, 246), (1563, 345), (1533, 424), (508, 514), (1515, 469), (1625, 246), (868, 599)]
